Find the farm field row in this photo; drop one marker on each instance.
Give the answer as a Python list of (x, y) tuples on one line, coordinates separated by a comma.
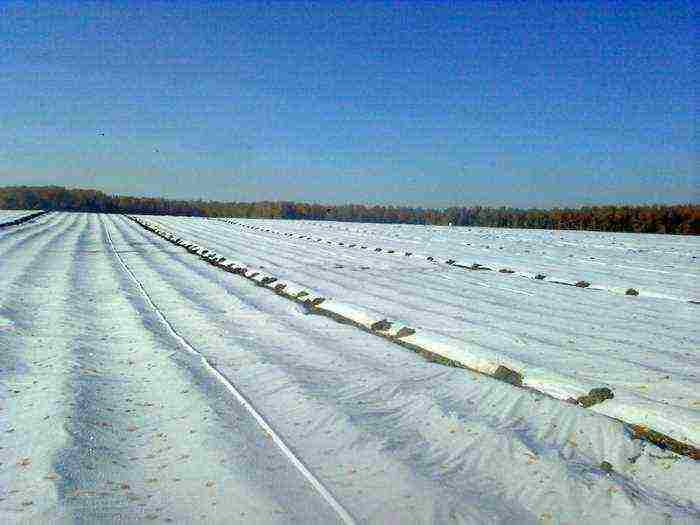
[(564, 341), (103, 418), (10, 217), (655, 265), (106, 415)]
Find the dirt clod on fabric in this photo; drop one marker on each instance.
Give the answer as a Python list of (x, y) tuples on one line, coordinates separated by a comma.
[(405, 332), (595, 396), (381, 326), (507, 375)]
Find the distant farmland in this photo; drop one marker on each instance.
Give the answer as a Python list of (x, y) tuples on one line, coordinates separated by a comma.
[(673, 219)]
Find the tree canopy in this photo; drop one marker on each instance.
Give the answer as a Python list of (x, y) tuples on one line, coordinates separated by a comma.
[(677, 218)]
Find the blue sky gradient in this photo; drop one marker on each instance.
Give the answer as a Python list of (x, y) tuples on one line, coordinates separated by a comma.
[(433, 104)]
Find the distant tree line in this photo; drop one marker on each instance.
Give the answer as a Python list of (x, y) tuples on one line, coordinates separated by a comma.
[(678, 218)]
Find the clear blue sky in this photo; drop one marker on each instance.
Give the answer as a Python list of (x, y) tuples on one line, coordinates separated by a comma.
[(515, 103)]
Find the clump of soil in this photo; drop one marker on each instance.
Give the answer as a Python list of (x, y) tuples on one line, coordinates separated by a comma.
[(595, 396), (632, 291), (664, 442), (606, 467), (405, 332), (582, 284), (408, 254), (450, 261), (381, 326), (540, 277), (506, 270), (507, 375)]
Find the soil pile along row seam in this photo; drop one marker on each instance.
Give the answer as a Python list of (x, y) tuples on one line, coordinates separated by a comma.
[(408, 338), (627, 291), (22, 220), (342, 513)]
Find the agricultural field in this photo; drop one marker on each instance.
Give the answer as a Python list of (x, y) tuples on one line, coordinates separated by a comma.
[(184, 370)]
